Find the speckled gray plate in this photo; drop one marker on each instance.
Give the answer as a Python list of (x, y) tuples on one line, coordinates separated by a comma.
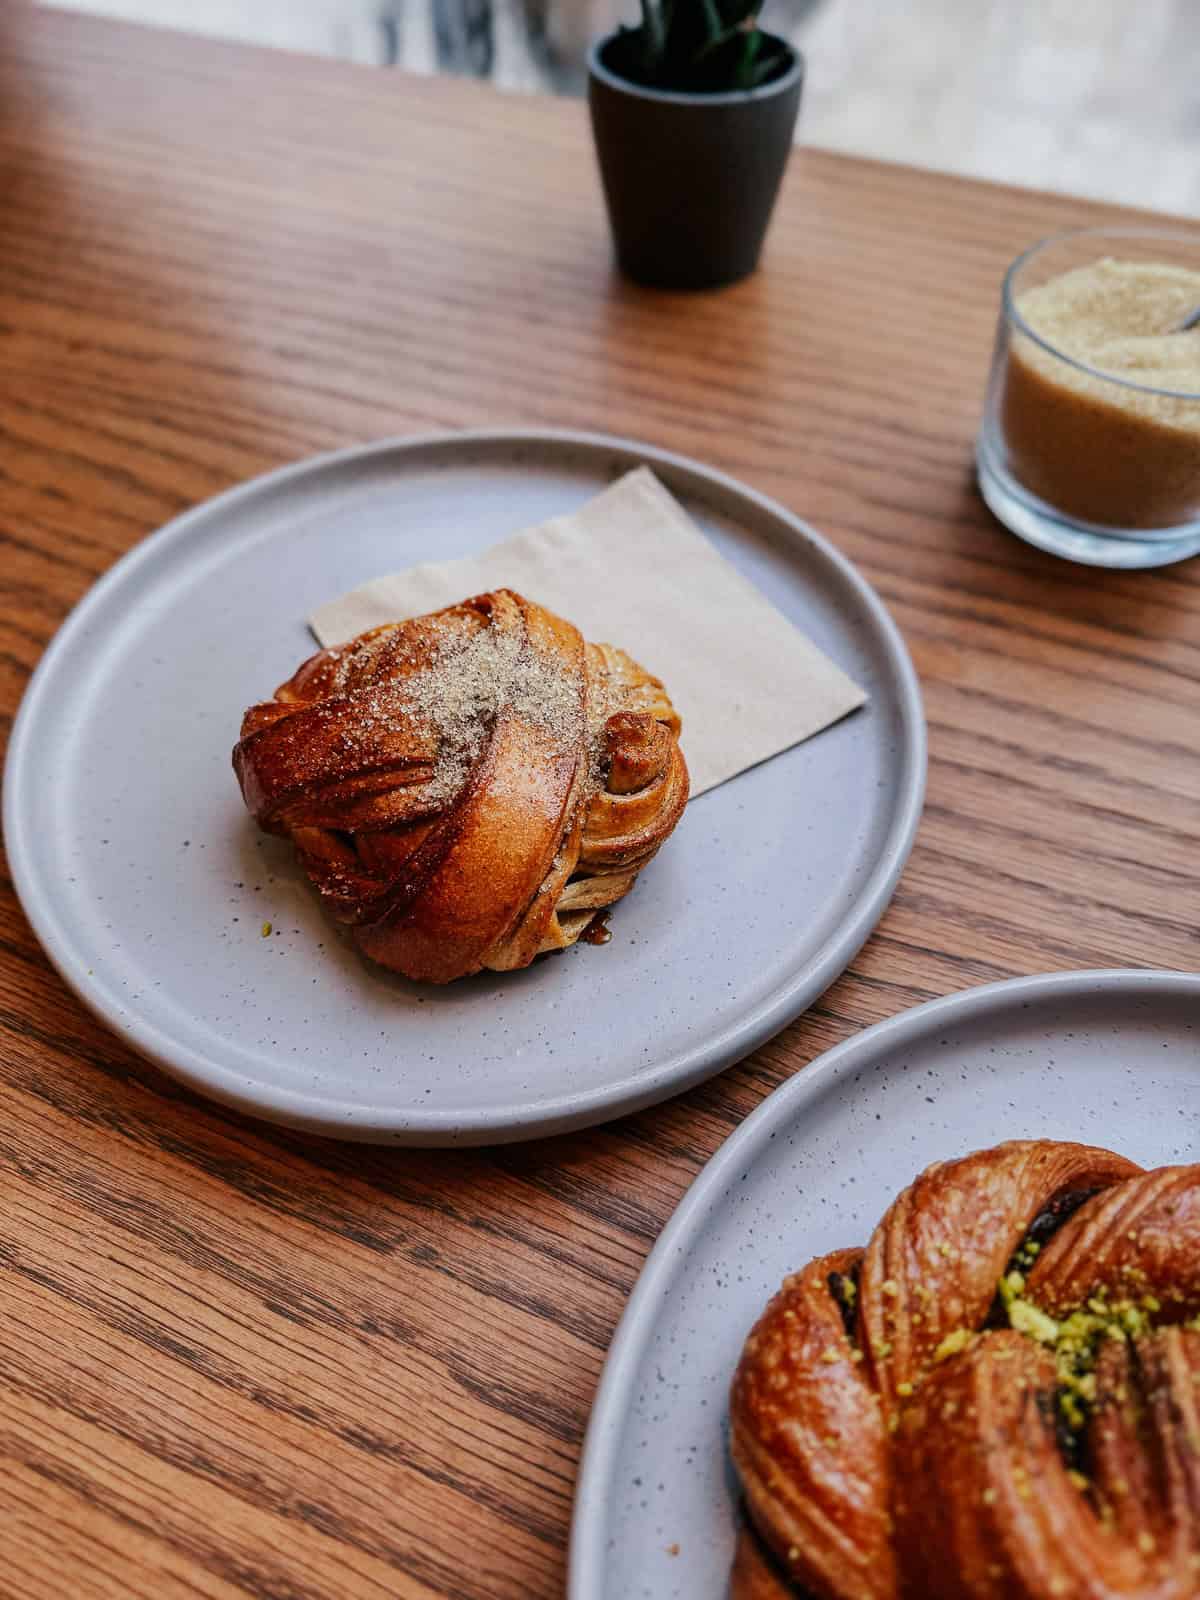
[(149, 885), (1109, 1058)]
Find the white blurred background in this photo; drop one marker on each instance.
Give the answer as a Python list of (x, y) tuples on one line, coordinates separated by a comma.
[(1093, 97)]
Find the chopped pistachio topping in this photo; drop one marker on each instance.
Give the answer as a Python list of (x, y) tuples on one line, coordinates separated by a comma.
[(1077, 1339), (1027, 1255), (1025, 1317), (952, 1344)]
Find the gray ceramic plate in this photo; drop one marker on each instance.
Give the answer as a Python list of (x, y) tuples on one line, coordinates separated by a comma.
[(1109, 1058), (149, 886)]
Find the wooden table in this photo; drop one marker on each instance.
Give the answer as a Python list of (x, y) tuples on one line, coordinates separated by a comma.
[(243, 1362)]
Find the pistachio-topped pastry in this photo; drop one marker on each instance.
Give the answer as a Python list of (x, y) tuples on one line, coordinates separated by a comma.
[(998, 1399)]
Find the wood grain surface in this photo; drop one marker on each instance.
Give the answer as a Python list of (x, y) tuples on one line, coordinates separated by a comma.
[(235, 1361)]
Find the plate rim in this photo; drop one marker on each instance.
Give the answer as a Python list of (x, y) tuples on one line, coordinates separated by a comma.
[(544, 1116), (585, 1564)]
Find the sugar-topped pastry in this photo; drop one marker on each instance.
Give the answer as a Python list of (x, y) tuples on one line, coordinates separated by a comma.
[(468, 789)]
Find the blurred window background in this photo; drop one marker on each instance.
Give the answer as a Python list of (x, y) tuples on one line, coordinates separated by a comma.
[(1092, 97)]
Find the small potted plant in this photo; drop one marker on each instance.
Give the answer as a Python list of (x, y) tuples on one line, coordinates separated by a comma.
[(693, 112)]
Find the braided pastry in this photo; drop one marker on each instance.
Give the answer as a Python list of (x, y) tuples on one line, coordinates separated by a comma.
[(470, 788), (998, 1399)]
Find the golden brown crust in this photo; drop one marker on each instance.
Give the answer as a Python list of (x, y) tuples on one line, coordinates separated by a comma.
[(935, 1259), (1137, 1239), (986, 1507), (754, 1575), (808, 1439), (467, 789), (954, 1484)]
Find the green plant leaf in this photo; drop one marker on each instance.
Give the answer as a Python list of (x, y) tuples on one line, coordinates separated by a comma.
[(701, 46), (691, 32), (764, 70), (744, 74), (716, 42), (736, 13), (714, 25), (654, 32)]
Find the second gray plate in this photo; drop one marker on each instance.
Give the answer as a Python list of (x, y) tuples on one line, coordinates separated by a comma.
[(1107, 1058), (150, 887)]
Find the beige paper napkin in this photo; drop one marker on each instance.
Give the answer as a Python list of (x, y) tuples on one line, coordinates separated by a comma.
[(630, 568)]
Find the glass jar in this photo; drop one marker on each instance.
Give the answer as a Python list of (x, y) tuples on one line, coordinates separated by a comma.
[(1098, 459)]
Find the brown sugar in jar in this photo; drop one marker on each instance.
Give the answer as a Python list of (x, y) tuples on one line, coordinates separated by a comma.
[(1101, 419)]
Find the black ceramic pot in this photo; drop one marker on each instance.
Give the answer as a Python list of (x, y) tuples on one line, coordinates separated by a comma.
[(690, 179)]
